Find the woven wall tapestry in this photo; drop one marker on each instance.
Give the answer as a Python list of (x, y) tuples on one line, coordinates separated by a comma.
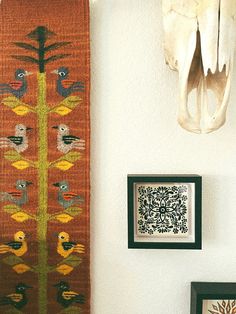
[(44, 156)]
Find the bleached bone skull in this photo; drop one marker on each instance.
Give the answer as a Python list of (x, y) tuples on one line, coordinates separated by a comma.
[(199, 42)]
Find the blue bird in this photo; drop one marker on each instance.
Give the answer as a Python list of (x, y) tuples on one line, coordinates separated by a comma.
[(18, 87), (66, 87)]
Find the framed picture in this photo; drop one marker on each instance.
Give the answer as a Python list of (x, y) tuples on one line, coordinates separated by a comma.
[(164, 212), (213, 298)]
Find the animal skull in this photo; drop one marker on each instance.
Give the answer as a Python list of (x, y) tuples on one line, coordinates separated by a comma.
[(199, 42)]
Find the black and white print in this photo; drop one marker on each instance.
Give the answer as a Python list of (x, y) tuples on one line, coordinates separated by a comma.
[(162, 209)]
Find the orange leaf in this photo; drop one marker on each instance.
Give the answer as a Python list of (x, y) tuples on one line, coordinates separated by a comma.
[(64, 165), (21, 268), (64, 269), (64, 218), (62, 110)]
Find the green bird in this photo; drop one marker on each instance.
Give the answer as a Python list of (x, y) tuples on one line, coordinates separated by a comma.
[(18, 299), (18, 197), (65, 296)]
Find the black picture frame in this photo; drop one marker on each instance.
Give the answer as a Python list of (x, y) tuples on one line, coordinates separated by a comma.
[(133, 243), (201, 291)]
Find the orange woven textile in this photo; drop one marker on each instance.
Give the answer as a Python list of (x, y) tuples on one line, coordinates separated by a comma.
[(44, 156)]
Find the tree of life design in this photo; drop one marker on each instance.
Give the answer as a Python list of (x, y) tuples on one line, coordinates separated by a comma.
[(224, 307), (162, 209), (67, 144)]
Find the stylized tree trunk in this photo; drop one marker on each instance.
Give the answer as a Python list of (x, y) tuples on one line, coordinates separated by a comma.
[(42, 190)]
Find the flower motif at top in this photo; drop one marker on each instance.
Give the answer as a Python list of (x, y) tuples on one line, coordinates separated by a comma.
[(224, 307), (162, 209)]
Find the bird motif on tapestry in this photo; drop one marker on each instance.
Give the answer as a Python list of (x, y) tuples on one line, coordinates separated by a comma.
[(65, 247), (19, 196), (18, 87), (65, 197), (67, 142), (66, 297), (18, 246), (17, 299), (66, 87), (19, 141)]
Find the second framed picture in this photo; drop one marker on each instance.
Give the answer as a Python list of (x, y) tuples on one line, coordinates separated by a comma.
[(213, 298), (164, 212)]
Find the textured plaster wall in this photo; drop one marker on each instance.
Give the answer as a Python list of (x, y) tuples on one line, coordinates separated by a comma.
[(134, 130)]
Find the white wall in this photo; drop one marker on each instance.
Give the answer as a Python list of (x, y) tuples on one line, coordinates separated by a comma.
[(134, 130)]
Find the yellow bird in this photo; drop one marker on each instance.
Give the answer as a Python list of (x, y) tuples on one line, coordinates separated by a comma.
[(17, 247), (65, 247)]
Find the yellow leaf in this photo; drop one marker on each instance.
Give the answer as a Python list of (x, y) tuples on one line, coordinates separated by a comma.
[(64, 269), (64, 165), (64, 218), (62, 110), (21, 164), (21, 268), (20, 216), (21, 110)]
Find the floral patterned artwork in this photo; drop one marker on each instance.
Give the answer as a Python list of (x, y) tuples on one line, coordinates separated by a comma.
[(163, 209), (219, 307)]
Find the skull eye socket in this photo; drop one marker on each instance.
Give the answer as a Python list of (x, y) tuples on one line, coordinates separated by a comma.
[(61, 73)]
